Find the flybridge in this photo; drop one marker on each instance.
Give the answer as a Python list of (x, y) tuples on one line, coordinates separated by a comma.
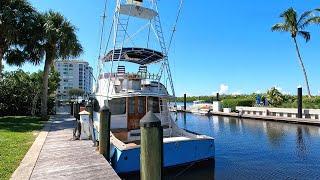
[(140, 56), (136, 36)]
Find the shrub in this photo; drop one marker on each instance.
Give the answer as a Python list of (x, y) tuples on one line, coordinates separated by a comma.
[(232, 103), (19, 89)]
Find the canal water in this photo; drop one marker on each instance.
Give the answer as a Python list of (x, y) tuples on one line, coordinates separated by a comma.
[(255, 149)]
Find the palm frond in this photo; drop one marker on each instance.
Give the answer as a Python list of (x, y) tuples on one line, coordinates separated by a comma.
[(290, 20), (305, 34), (281, 27), (304, 18), (314, 20)]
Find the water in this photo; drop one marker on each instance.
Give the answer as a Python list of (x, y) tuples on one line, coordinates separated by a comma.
[(253, 149)]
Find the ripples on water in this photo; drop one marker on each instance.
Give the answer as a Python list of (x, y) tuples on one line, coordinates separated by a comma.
[(253, 149)]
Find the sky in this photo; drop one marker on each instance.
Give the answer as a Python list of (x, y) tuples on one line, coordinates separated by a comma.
[(221, 46)]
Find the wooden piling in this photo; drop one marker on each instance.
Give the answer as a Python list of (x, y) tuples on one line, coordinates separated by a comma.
[(151, 155), (185, 102), (299, 102), (104, 132)]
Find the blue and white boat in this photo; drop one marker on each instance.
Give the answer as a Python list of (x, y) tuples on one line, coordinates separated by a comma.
[(134, 80)]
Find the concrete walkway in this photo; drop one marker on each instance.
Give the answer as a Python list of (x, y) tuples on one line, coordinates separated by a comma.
[(62, 158)]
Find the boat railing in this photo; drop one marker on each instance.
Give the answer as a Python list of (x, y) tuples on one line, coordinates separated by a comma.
[(132, 76)]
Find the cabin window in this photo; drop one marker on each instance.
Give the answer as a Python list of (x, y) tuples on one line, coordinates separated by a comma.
[(131, 105), (142, 105), (153, 104), (118, 106)]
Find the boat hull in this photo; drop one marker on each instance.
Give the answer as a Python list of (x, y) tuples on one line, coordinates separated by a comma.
[(176, 153)]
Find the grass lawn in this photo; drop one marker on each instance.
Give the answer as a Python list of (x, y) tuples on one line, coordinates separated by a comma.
[(16, 137)]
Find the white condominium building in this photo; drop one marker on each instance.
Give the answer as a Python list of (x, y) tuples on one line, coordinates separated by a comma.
[(73, 74)]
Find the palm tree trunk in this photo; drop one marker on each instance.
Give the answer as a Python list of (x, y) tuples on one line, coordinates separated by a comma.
[(44, 99), (34, 103), (302, 66), (1, 56)]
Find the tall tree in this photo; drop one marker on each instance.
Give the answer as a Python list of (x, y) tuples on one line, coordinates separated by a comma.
[(296, 25), (60, 41), (275, 96), (19, 30)]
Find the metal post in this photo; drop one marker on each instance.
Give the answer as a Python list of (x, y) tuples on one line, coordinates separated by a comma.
[(151, 157), (218, 97), (77, 128), (78, 110), (104, 132), (299, 102), (89, 108), (185, 102), (75, 110), (71, 108)]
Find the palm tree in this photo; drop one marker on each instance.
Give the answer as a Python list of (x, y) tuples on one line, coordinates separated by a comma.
[(60, 41), (295, 26), (19, 30), (275, 96)]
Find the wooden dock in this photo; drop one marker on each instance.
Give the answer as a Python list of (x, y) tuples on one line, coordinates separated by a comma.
[(63, 158), (271, 118)]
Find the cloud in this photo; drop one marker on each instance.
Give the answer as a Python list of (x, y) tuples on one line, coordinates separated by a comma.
[(223, 89)]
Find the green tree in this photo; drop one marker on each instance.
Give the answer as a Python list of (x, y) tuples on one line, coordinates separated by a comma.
[(296, 25), (60, 41), (19, 30), (20, 92), (76, 92), (36, 80), (275, 96)]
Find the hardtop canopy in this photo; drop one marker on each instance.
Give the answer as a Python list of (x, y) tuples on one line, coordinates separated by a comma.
[(142, 56)]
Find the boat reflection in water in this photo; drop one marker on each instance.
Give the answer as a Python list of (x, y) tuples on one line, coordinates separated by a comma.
[(255, 149)]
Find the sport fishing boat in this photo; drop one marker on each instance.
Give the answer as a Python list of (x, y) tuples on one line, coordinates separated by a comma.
[(134, 80)]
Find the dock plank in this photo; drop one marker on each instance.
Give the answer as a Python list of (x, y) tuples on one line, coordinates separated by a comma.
[(63, 158)]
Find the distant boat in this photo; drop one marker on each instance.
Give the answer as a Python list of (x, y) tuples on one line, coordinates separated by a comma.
[(201, 108), (130, 95)]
